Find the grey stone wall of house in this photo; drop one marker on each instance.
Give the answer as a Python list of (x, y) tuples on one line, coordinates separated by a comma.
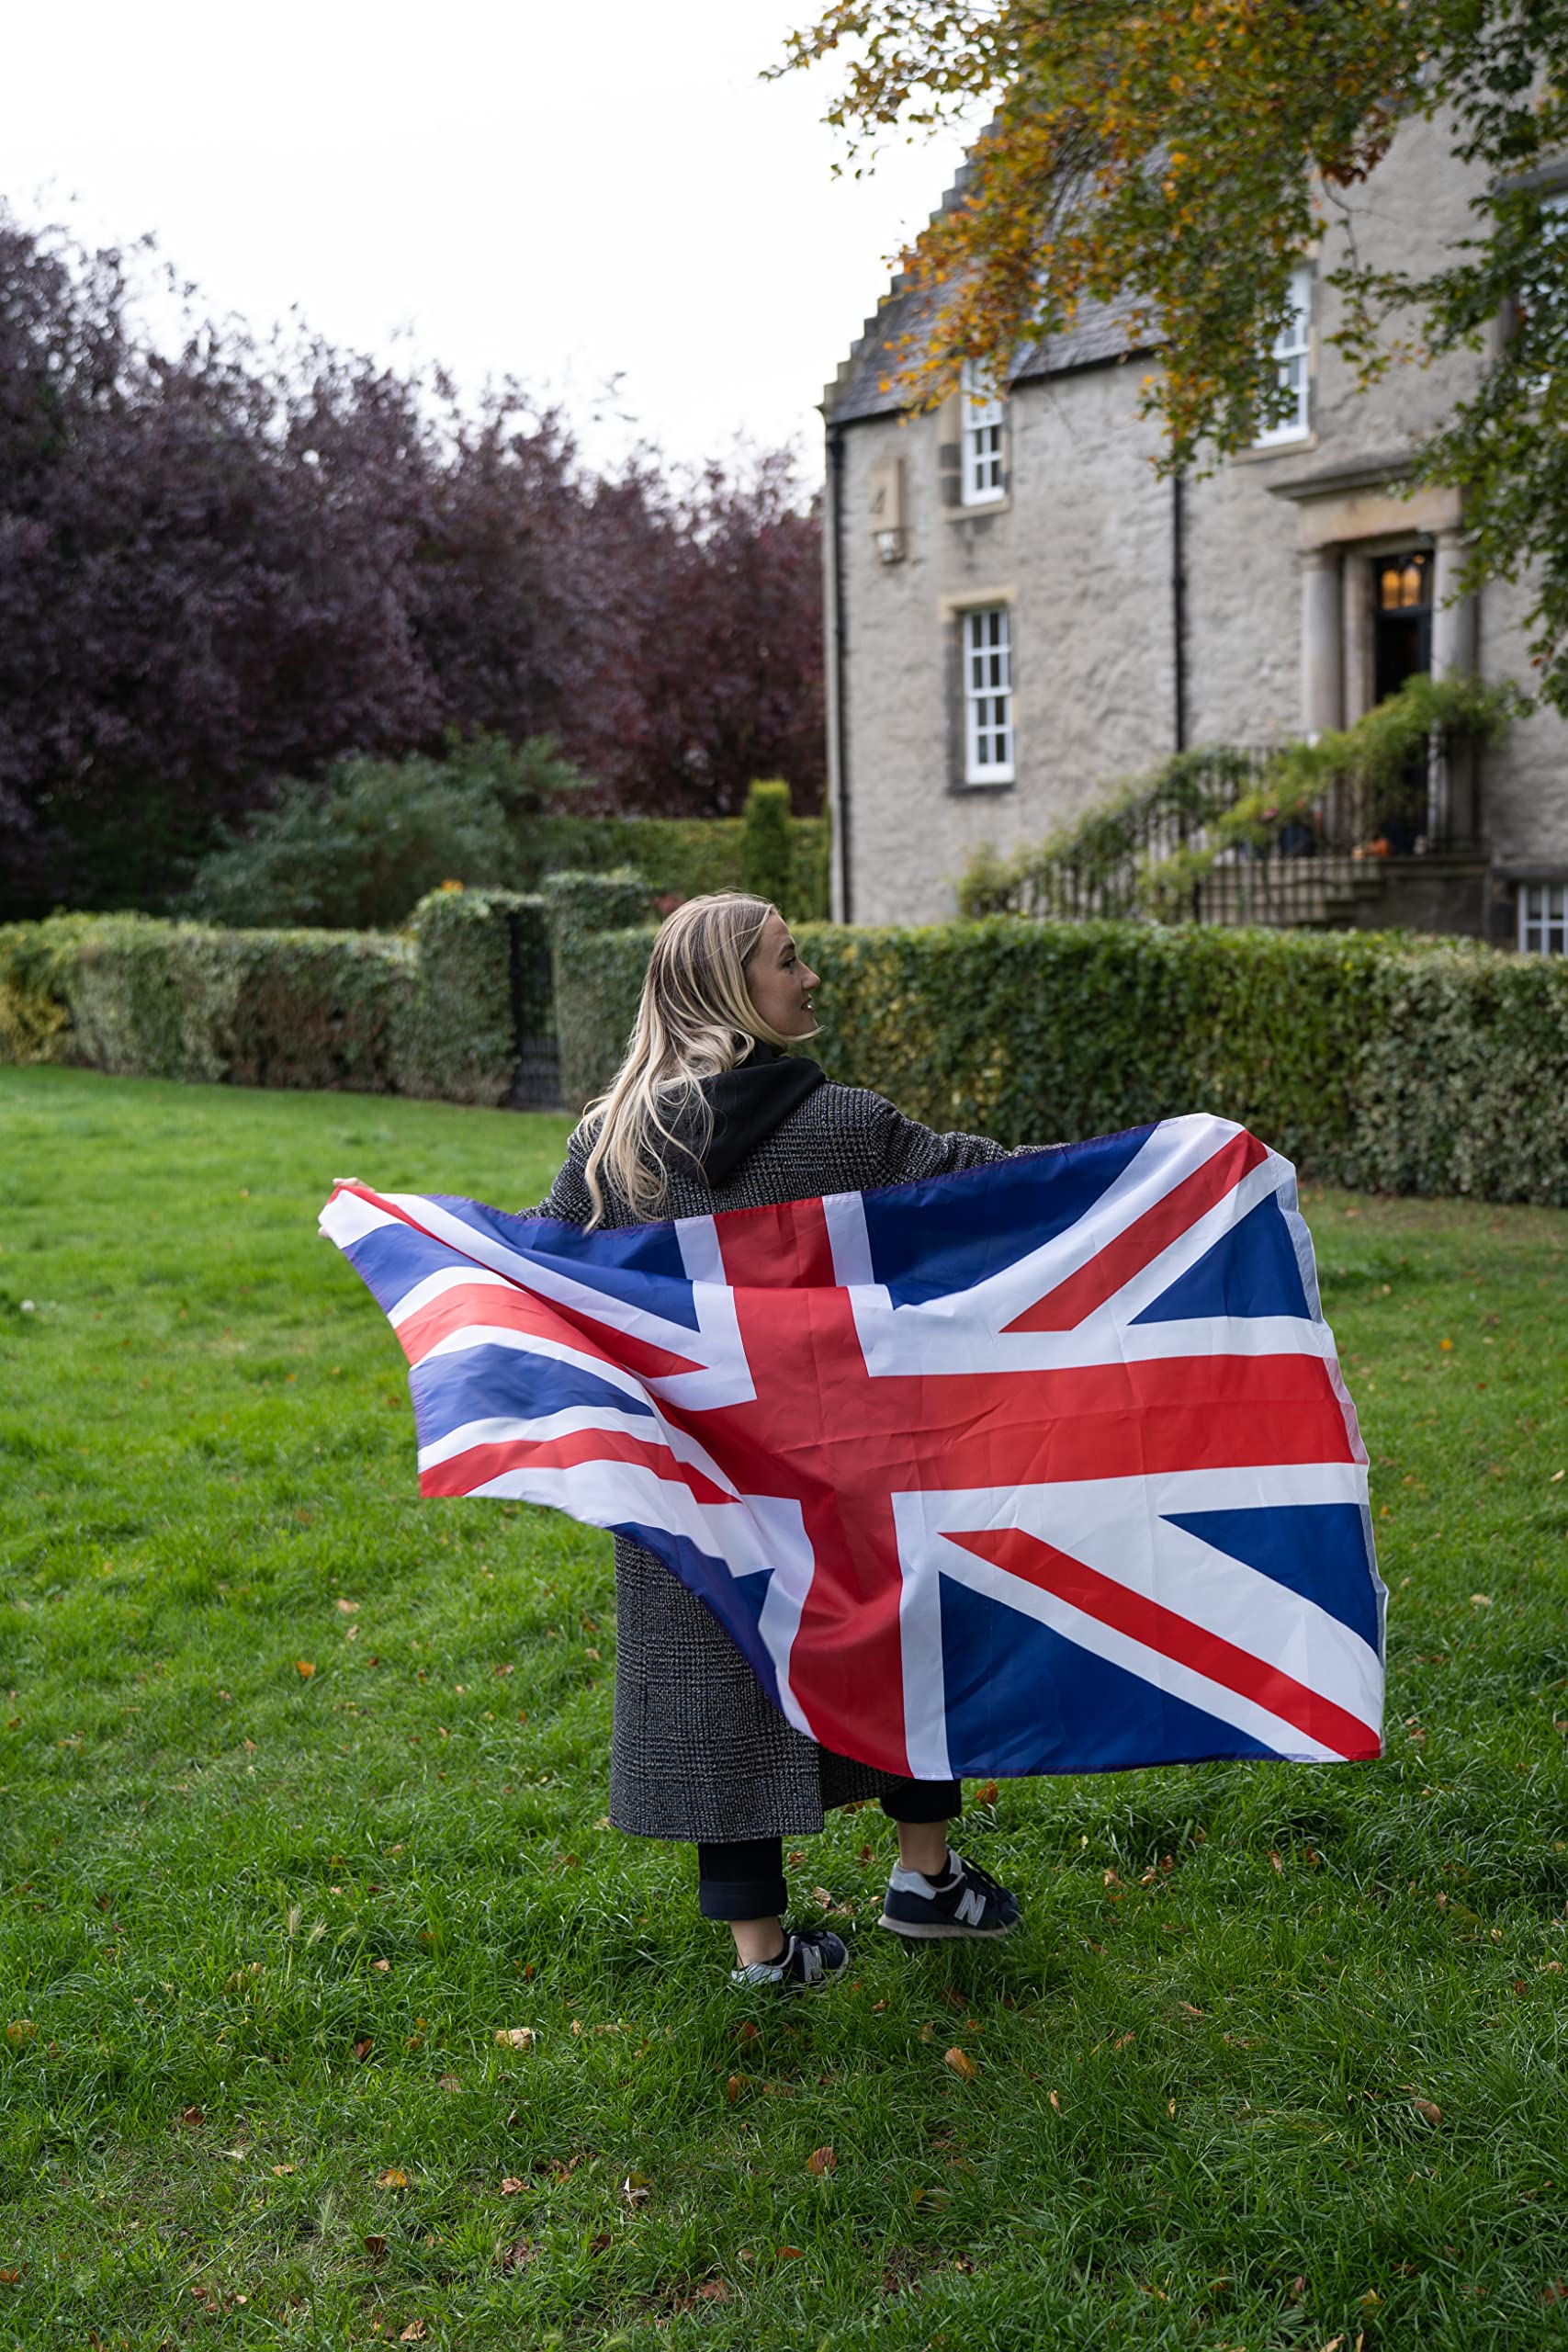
[(1278, 547)]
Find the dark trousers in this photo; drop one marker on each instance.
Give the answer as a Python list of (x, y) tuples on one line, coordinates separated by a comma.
[(745, 1880)]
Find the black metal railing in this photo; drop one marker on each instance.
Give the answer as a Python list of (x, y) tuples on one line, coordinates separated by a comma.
[(1202, 840)]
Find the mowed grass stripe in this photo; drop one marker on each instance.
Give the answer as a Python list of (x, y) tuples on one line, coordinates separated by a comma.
[(1278, 2055)]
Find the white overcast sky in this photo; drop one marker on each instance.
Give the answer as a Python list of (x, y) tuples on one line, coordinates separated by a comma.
[(560, 192)]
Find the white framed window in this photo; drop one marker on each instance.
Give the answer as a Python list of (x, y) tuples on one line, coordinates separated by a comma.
[(987, 696), (1544, 918), (1292, 358), (984, 417)]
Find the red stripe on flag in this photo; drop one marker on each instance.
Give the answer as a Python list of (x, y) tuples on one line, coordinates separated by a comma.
[(1064, 1308), (1020, 1554), (516, 1309), (463, 1472)]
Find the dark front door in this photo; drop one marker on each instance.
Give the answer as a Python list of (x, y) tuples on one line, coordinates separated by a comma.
[(1402, 648)]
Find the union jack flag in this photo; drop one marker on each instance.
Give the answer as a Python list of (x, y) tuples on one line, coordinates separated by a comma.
[(1046, 1466)]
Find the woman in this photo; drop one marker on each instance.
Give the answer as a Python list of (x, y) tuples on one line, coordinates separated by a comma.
[(708, 1112)]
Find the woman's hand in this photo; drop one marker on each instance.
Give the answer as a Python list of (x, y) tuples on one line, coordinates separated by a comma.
[(338, 1181)]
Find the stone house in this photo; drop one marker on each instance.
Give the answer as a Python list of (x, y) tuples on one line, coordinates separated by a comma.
[(1019, 613)]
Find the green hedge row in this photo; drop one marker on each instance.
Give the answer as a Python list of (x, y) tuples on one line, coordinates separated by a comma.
[(447, 1009), (1371, 1059), (683, 857)]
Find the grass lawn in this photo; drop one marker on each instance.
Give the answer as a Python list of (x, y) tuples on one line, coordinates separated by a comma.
[(302, 1796)]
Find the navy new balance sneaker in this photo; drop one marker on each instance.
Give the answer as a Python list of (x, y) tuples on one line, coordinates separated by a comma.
[(811, 1956), (967, 1902)]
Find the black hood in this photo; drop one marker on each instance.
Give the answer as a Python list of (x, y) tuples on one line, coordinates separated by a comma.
[(747, 1103)]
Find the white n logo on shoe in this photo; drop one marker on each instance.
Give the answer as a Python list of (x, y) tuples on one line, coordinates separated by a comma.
[(971, 1907)]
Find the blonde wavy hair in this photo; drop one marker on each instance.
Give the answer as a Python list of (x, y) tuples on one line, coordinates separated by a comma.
[(696, 1018)]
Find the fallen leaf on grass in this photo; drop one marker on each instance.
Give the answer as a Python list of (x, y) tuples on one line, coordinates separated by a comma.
[(1427, 2109), (636, 2188), (987, 1795), (11, 2278), (448, 2082), (512, 2185), (380, 1966), (1055, 2102), (192, 2116), (747, 2033), (822, 2160), (732, 2089), (713, 2291), (1274, 1858), (374, 2248), (791, 2254), (960, 2062), (513, 2257), (392, 2179), (363, 2048), (20, 2031), (516, 2037), (279, 2170), (349, 1608), (304, 1669), (415, 2333), (1556, 2291)]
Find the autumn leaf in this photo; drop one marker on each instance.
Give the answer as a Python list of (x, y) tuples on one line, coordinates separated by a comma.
[(279, 2171), (790, 2254), (987, 1795), (192, 2117), (822, 2160), (512, 2185), (636, 2188), (732, 2089), (363, 2048), (960, 2062), (304, 1669), (448, 2082), (1274, 1858), (516, 2037), (747, 2033), (1055, 2102), (392, 2179), (20, 2031), (11, 2278), (1428, 2110), (374, 2248), (415, 2333), (713, 2291), (513, 2257), (349, 1608)]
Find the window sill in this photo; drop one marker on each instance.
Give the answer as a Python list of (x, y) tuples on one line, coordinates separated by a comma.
[(1297, 446), (982, 507), (962, 790)]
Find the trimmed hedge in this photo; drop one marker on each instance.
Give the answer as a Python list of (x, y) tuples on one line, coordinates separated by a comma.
[(1370, 1059), (446, 1010), (683, 857)]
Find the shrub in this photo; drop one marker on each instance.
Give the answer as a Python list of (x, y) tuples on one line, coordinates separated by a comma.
[(358, 850), (595, 1003), (449, 1010), (767, 852)]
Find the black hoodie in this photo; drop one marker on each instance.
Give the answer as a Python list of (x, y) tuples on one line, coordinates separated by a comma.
[(747, 1103)]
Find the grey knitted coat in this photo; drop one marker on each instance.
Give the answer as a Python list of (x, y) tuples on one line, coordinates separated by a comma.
[(698, 1751)]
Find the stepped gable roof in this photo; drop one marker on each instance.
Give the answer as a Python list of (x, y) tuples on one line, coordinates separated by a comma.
[(867, 383)]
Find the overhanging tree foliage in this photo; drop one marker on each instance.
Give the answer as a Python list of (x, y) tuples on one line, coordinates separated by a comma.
[(1176, 156)]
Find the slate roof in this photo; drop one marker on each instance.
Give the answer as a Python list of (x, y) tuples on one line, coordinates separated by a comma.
[(1098, 337)]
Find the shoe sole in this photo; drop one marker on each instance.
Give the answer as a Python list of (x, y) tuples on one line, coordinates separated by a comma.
[(948, 1931)]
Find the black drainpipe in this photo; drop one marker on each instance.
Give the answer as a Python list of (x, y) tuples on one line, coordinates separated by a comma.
[(840, 720), (1178, 604)]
